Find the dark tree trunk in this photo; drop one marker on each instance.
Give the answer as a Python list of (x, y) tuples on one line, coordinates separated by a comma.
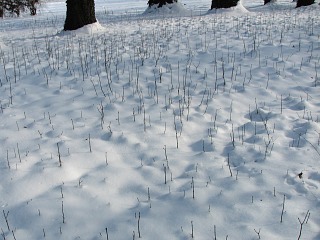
[(301, 3), (1, 11), (160, 2), (32, 7), (267, 1), (224, 3), (79, 13)]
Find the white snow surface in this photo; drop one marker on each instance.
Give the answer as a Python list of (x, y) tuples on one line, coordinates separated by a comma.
[(161, 127), (94, 28)]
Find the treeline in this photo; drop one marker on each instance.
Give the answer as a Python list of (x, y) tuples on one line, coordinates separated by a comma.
[(226, 3), (15, 7)]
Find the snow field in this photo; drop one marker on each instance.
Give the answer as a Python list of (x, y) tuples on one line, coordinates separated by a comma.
[(199, 125)]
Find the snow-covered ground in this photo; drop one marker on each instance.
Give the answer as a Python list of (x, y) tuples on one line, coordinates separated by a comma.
[(161, 126)]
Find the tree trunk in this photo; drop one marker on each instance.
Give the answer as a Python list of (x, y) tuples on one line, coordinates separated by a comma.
[(160, 2), (301, 3), (267, 1), (79, 13), (1, 11), (224, 3), (32, 7)]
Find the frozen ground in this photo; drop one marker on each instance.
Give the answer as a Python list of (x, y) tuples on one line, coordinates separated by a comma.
[(158, 126)]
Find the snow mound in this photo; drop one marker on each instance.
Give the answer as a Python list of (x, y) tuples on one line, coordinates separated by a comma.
[(237, 9), (168, 9), (90, 29)]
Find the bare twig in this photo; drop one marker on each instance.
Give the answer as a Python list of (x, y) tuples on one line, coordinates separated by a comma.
[(305, 220)]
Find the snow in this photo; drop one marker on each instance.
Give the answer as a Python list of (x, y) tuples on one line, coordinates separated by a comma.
[(203, 125), (240, 9), (91, 29)]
